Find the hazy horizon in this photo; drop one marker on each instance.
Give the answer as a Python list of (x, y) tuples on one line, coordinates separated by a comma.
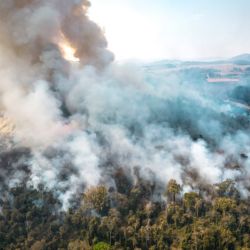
[(157, 30)]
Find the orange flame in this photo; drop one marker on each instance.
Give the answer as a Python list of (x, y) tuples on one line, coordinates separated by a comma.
[(68, 51)]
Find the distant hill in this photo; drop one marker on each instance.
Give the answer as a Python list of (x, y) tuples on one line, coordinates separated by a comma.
[(241, 59)]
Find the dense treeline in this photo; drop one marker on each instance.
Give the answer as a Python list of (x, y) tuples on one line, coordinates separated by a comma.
[(129, 217)]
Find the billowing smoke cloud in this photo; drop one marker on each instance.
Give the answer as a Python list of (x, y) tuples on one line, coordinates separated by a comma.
[(77, 121)]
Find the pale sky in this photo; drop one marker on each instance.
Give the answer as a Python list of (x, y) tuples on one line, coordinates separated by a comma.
[(174, 29)]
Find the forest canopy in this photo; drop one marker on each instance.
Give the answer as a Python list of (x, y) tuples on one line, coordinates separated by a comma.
[(214, 217)]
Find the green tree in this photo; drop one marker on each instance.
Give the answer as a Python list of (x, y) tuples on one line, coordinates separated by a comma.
[(78, 245), (224, 205), (192, 202), (173, 188), (97, 198), (111, 224), (102, 246)]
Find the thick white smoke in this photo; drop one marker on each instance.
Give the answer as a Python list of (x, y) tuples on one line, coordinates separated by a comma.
[(83, 120)]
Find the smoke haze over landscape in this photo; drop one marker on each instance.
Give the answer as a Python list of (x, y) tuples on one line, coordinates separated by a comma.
[(75, 116)]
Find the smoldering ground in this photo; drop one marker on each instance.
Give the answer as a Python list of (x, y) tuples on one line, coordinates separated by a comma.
[(78, 122)]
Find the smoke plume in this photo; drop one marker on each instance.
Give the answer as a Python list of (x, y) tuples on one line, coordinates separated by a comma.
[(76, 118)]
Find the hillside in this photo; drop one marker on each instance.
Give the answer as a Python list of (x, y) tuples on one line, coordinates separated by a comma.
[(241, 59)]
